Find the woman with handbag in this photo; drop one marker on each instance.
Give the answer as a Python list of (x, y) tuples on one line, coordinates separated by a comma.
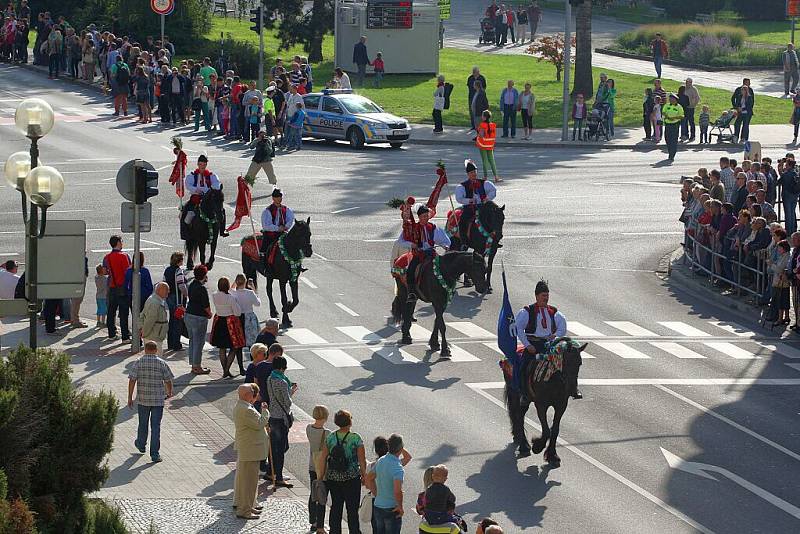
[(226, 330), (344, 466), (178, 292), (317, 434), (198, 312), (279, 391)]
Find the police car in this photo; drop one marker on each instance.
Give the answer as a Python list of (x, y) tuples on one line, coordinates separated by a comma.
[(341, 114)]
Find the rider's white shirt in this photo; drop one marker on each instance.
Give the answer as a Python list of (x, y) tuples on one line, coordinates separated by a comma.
[(545, 332), (439, 238), (201, 188), (461, 194), (268, 224)]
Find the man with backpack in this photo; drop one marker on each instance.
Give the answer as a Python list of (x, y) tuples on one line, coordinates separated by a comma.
[(120, 77), (789, 191)]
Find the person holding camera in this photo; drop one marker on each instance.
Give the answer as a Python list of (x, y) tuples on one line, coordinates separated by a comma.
[(245, 294), (279, 392)]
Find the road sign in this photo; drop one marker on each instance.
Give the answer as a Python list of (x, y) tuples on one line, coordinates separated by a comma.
[(127, 216), (162, 7), (126, 178), (444, 9), (61, 262)]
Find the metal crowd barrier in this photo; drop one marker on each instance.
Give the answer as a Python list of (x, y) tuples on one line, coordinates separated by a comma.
[(704, 253)]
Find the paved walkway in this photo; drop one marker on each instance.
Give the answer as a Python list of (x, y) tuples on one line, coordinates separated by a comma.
[(461, 31), (191, 490)]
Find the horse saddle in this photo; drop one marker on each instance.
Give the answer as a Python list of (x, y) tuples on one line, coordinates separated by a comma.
[(400, 269), (454, 221)]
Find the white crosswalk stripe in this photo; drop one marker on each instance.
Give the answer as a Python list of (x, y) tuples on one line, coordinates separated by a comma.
[(733, 328), (457, 354), (304, 336), (622, 350), (337, 357), (782, 349), (360, 333), (631, 328), (394, 355), (291, 364), (469, 329), (676, 350), (684, 329), (581, 330), (729, 349)]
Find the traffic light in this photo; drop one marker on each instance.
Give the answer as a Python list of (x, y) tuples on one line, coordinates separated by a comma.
[(145, 184), (255, 18)]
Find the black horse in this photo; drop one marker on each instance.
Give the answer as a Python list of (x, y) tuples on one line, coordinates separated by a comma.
[(206, 226), (488, 225), (451, 266), (297, 245), (555, 392)]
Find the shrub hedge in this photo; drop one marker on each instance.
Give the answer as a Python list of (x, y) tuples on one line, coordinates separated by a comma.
[(678, 35)]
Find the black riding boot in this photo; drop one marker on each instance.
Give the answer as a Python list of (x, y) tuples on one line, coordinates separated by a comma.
[(411, 281), (239, 361), (576, 394)]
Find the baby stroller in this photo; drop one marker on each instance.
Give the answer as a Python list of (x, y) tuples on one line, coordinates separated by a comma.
[(487, 31), (723, 126), (596, 125)]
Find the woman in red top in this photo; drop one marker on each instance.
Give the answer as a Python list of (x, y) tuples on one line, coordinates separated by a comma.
[(487, 132)]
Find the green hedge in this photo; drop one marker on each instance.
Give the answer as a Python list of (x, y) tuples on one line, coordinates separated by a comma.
[(677, 35), (748, 57)]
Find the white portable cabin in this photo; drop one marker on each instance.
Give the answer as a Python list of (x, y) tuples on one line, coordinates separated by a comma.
[(405, 31)]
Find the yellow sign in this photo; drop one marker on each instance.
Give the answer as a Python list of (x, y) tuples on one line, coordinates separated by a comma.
[(444, 9)]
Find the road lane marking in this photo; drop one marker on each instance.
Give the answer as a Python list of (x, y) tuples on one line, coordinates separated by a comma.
[(337, 357), (729, 349), (622, 350), (360, 333), (650, 233), (457, 354), (346, 309), (97, 250), (307, 282), (320, 256), (676, 350), (224, 258), (469, 329), (734, 424), (292, 365), (345, 209), (394, 355), (481, 390), (157, 243), (418, 331), (675, 382), (304, 336), (581, 330), (144, 138), (781, 348), (684, 329), (380, 240), (631, 328), (733, 328)]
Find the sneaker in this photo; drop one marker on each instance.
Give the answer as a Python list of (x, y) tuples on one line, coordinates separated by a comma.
[(157, 459), (138, 448)]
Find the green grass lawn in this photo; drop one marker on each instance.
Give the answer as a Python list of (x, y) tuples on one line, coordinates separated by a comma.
[(411, 96), (776, 32)]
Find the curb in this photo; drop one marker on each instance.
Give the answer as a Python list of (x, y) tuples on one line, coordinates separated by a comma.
[(683, 64)]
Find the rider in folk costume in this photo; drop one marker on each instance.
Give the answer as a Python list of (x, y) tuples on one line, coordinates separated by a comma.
[(275, 220), (538, 325), (198, 183), (471, 193), (426, 236)]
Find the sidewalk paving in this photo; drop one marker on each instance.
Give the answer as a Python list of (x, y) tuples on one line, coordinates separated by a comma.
[(191, 490)]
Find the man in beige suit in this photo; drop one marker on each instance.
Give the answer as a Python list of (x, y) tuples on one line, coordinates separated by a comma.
[(154, 319), (251, 445)]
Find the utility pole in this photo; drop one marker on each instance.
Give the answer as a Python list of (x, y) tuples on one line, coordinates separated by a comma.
[(136, 346), (567, 65)]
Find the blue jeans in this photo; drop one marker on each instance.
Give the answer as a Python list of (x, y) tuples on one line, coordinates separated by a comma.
[(294, 139), (509, 116), (790, 213), (174, 332), (610, 121), (279, 441), (236, 109), (196, 326), (657, 60), (386, 521), (150, 415)]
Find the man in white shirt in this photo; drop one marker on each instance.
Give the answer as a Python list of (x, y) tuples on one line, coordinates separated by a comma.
[(8, 279), (275, 220), (429, 236), (292, 99)]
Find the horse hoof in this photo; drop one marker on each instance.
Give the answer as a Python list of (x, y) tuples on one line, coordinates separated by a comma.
[(524, 452), (434, 347), (489, 289), (552, 459), (273, 313), (405, 340), (468, 283), (537, 445), (286, 323), (445, 354)]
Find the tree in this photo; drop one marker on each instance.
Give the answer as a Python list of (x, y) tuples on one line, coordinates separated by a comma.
[(583, 82), (298, 27), (550, 49)]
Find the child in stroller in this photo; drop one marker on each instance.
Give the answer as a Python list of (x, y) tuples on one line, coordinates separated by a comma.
[(487, 31), (723, 126), (596, 125)]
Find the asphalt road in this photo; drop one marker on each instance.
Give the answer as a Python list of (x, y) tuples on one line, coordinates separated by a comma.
[(683, 427)]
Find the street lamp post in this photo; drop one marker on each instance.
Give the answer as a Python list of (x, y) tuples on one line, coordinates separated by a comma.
[(43, 186)]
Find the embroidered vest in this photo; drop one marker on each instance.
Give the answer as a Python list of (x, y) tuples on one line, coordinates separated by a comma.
[(273, 210), (530, 328), (201, 180), (481, 190), (430, 228)]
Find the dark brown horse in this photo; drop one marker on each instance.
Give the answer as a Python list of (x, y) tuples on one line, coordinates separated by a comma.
[(285, 268), (207, 225), (451, 266), (554, 393), (484, 237)]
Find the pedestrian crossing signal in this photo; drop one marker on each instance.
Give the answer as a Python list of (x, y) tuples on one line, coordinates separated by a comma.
[(145, 184), (255, 18)]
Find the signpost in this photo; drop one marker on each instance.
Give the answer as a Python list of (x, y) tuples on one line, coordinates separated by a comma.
[(137, 180), (163, 8), (61, 265)]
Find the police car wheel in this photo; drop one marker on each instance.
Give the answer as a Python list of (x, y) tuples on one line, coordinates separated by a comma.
[(395, 145), (355, 137)]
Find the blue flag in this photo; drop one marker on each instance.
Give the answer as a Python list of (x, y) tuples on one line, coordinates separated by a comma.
[(506, 326)]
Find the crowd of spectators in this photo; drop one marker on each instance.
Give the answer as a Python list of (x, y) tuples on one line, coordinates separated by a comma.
[(735, 232)]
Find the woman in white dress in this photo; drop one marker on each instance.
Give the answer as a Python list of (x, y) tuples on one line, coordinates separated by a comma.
[(245, 294)]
